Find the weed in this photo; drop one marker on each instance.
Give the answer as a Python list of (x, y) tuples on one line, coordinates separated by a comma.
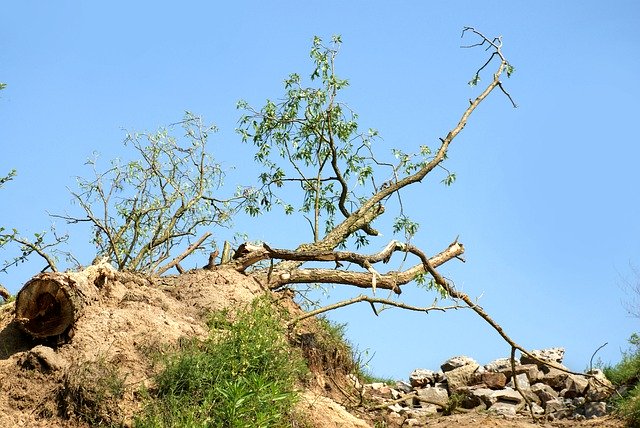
[(626, 376), (92, 390), (243, 375)]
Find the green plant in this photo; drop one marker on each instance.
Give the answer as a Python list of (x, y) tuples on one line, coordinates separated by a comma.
[(626, 376), (243, 375), (143, 208)]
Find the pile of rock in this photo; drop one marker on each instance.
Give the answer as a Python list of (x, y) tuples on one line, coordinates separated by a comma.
[(543, 389)]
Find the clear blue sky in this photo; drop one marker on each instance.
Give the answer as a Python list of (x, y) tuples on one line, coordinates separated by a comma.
[(546, 200)]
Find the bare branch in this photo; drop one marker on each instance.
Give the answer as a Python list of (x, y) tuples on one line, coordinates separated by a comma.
[(372, 301), (390, 281), (188, 251)]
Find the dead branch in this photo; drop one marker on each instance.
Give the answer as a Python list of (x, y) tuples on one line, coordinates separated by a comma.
[(188, 251), (391, 280), (372, 301), (4, 293)]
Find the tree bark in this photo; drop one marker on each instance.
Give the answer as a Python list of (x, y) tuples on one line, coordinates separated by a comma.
[(50, 303)]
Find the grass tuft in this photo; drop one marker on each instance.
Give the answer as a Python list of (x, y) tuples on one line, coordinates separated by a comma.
[(626, 376), (243, 375)]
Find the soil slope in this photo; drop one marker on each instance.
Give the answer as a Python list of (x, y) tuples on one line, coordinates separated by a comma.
[(96, 372)]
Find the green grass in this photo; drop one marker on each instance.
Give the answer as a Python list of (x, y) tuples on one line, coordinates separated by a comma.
[(627, 373), (244, 375)]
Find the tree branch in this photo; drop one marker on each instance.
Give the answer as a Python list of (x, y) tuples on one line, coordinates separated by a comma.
[(188, 251), (277, 277), (371, 300)]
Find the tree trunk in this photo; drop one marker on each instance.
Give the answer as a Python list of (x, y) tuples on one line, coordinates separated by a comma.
[(50, 303)]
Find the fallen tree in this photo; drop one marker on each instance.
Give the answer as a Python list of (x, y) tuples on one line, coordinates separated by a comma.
[(308, 141)]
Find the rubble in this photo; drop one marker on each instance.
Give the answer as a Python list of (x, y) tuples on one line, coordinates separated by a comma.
[(539, 388)]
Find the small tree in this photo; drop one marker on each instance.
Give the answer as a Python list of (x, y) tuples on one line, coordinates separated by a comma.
[(311, 140), (142, 209)]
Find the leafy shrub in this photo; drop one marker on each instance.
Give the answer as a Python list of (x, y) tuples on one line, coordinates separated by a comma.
[(243, 375), (625, 375)]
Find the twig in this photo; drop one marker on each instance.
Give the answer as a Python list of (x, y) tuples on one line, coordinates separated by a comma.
[(188, 251), (38, 250), (594, 354), (371, 300)]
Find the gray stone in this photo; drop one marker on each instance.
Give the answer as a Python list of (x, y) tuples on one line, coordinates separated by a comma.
[(537, 409), (508, 395), (403, 387), (422, 377), (433, 395), (455, 362), (595, 410), (461, 376), (483, 394), (499, 365), (574, 386), (553, 377), (551, 355), (553, 406), (544, 392), (531, 370), (523, 382), (504, 408)]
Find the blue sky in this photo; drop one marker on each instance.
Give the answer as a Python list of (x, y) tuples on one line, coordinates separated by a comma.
[(546, 200)]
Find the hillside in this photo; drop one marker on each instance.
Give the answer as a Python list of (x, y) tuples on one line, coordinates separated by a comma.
[(68, 381)]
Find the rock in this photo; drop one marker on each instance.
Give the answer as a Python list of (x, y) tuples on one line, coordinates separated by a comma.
[(403, 387), (544, 392), (531, 370), (499, 365), (523, 382), (460, 376), (397, 408), (551, 355), (505, 408), (422, 377), (473, 397), (575, 386), (433, 395), (554, 406), (379, 389), (456, 362), (508, 395), (595, 410), (493, 380), (424, 411), (600, 388), (553, 377), (355, 382), (536, 409), (42, 358)]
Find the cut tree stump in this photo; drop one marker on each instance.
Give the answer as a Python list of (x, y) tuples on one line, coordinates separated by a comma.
[(50, 303)]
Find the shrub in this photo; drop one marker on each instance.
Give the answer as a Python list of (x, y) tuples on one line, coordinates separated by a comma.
[(625, 375), (243, 375)]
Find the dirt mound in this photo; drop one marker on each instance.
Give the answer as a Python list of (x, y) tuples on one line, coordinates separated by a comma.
[(95, 373)]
